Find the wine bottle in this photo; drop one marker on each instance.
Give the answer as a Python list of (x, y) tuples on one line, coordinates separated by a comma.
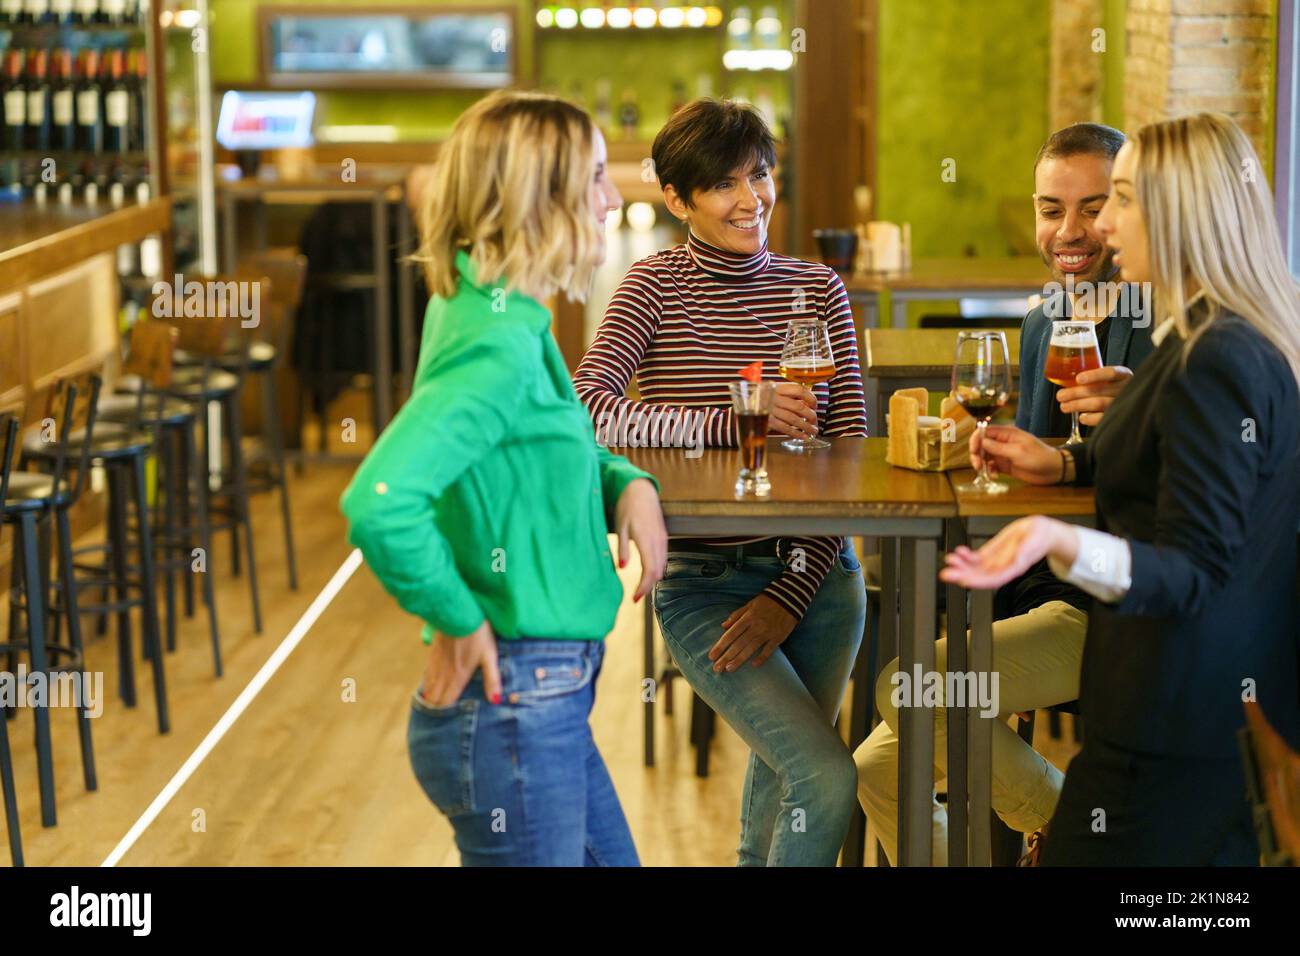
[(12, 12), (90, 119), (38, 11), (87, 12), (13, 94), (138, 82), (64, 12), (38, 102), (117, 105), (63, 114)]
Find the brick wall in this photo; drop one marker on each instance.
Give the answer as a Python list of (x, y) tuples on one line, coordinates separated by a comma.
[(1183, 56)]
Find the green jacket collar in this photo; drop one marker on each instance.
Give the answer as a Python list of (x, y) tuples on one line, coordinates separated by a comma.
[(513, 301)]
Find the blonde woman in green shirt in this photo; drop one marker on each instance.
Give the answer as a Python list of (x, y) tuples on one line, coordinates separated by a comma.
[(484, 507)]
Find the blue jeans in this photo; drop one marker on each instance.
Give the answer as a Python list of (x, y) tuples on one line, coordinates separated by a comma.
[(800, 787), (521, 781)]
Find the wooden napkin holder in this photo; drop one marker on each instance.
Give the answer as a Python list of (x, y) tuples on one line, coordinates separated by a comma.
[(927, 447)]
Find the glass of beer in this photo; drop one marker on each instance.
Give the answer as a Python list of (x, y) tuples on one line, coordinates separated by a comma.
[(751, 402), (981, 384), (1073, 349), (807, 359)]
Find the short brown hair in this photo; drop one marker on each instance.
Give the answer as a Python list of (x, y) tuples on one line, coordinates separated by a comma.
[(705, 140), (1081, 139)]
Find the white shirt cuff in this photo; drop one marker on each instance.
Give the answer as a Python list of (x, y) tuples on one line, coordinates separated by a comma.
[(1102, 565)]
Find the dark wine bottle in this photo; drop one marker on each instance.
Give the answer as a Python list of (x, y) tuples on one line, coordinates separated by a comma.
[(117, 105), (63, 112), (138, 83), (13, 94), (87, 12), (38, 102), (38, 11), (12, 13), (90, 115)]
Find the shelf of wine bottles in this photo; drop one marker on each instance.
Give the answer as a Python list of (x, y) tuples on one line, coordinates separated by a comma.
[(73, 99), (90, 14)]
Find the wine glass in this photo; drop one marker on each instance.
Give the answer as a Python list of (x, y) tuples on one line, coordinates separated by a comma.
[(981, 384), (1073, 349), (807, 359)]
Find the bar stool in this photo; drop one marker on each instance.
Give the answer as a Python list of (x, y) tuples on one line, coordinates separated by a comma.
[(122, 452), (184, 515), (31, 497), (9, 427), (280, 274), (205, 337)]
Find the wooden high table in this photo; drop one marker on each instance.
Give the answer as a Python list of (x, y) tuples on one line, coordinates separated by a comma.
[(847, 489), (970, 736), (941, 279)]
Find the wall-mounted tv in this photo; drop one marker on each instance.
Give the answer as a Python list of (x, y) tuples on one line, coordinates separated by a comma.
[(379, 47)]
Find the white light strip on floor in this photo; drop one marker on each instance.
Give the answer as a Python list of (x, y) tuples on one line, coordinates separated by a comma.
[(232, 714)]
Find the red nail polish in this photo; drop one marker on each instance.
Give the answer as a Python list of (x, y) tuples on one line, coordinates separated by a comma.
[(622, 562), (637, 599), (496, 697)]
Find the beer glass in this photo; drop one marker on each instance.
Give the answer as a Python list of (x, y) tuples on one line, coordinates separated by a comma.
[(751, 403), (1073, 349), (807, 359), (981, 384)]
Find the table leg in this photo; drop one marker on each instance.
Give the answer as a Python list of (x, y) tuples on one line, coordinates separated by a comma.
[(649, 632), (230, 226), (958, 789), (382, 338), (898, 305), (916, 722), (980, 733)]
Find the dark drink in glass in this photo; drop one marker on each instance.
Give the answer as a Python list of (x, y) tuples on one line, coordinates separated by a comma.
[(751, 404)]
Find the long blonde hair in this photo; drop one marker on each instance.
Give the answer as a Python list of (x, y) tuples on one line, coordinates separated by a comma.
[(511, 187), (1210, 219)]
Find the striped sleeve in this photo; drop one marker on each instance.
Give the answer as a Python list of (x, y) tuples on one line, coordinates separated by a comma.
[(846, 412), (629, 326), (807, 561)]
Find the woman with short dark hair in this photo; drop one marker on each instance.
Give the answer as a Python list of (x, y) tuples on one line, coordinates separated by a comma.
[(684, 321)]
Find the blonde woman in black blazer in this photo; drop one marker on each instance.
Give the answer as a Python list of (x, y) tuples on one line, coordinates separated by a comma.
[(1197, 471)]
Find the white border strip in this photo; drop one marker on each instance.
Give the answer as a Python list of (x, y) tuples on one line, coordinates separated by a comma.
[(232, 714)]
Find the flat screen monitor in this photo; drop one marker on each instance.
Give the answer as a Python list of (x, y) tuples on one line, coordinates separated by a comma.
[(251, 120)]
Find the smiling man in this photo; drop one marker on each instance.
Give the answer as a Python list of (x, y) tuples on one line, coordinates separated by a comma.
[(1071, 183)]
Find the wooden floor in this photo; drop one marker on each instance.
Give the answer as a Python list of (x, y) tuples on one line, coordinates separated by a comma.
[(309, 777)]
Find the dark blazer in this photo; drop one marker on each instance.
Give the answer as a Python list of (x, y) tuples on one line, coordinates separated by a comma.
[(1197, 464), (1128, 343)]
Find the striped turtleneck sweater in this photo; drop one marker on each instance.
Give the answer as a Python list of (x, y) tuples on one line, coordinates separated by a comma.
[(684, 321)]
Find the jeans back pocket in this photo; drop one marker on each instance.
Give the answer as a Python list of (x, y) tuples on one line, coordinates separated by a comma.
[(440, 741)]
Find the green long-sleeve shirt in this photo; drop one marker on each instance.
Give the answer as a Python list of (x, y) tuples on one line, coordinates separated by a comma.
[(487, 495)]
